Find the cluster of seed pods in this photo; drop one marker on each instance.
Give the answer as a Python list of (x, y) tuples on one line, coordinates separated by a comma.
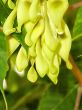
[(47, 36)]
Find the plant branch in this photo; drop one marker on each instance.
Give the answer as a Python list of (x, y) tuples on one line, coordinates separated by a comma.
[(77, 73), (75, 6), (78, 98)]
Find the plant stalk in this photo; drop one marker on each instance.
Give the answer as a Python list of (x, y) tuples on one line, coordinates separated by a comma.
[(75, 6), (75, 70)]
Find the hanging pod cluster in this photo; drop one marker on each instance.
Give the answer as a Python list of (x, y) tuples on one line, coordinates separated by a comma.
[(47, 36)]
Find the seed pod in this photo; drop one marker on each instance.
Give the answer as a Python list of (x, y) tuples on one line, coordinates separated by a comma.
[(48, 53), (8, 25), (65, 43), (56, 10), (34, 11), (29, 28), (51, 42), (53, 28), (32, 75), (11, 4), (12, 45), (22, 13), (32, 60), (54, 70), (41, 64), (22, 59), (37, 31), (32, 51)]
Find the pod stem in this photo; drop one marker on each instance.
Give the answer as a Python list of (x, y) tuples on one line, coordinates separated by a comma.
[(75, 6), (78, 98), (75, 70)]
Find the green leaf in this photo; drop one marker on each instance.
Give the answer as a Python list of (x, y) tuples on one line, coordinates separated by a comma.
[(50, 99), (76, 49), (53, 100), (69, 100), (4, 12), (77, 29), (3, 56), (3, 63)]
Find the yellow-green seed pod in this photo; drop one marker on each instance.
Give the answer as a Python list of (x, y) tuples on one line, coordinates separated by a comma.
[(52, 77), (65, 43), (48, 53), (32, 50), (32, 75), (59, 59), (29, 28), (51, 42), (11, 4), (42, 39), (22, 13), (53, 74), (32, 60), (56, 10), (8, 25), (53, 28), (37, 31), (12, 45), (34, 11), (22, 59), (69, 65), (54, 70), (56, 61), (41, 64)]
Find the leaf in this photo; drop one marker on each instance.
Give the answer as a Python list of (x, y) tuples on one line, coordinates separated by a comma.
[(77, 36), (3, 56), (3, 63), (69, 100), (53, 100), (4, 12), (76, 49), (49, 100), (77, 29)]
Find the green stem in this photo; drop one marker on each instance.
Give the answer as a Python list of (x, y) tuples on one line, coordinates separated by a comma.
[(4, 97)]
